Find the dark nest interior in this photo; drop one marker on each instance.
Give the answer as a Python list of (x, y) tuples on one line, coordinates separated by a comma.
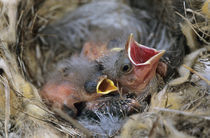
[(30, 54)]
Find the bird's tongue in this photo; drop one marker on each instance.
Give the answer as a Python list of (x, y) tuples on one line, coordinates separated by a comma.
[(141, 55)]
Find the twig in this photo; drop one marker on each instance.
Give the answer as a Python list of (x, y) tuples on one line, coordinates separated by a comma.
[(48, 120), (154, 126), (20, 17), (4, 81), (191, 26), (193, 71), (186, 107), (33, 21), (182, 113), (74, 123)]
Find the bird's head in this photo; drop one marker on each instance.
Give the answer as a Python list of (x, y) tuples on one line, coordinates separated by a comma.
[(134, 66)]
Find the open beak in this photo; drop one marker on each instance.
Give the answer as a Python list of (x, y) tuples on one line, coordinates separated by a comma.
[(145, 61), (141, 55), (105, 86)]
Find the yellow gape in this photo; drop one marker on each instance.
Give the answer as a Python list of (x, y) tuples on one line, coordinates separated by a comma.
[(105, 86)]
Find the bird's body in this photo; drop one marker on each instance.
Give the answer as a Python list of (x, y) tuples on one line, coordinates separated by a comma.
[(154, 25), (133, 73), (75, 81), (95, 30)]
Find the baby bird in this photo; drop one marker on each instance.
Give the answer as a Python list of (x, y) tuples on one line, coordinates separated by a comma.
[(92, 31), (134, 67), (74, 82), (153, 23), (134, 70)]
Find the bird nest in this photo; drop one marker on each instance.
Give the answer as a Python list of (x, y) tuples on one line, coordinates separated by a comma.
[(181, 110)]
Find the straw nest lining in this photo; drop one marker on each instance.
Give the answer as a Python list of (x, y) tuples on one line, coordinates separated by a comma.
[(23, 60)]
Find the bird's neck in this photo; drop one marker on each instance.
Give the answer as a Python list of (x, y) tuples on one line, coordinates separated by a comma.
[(151, 88)]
